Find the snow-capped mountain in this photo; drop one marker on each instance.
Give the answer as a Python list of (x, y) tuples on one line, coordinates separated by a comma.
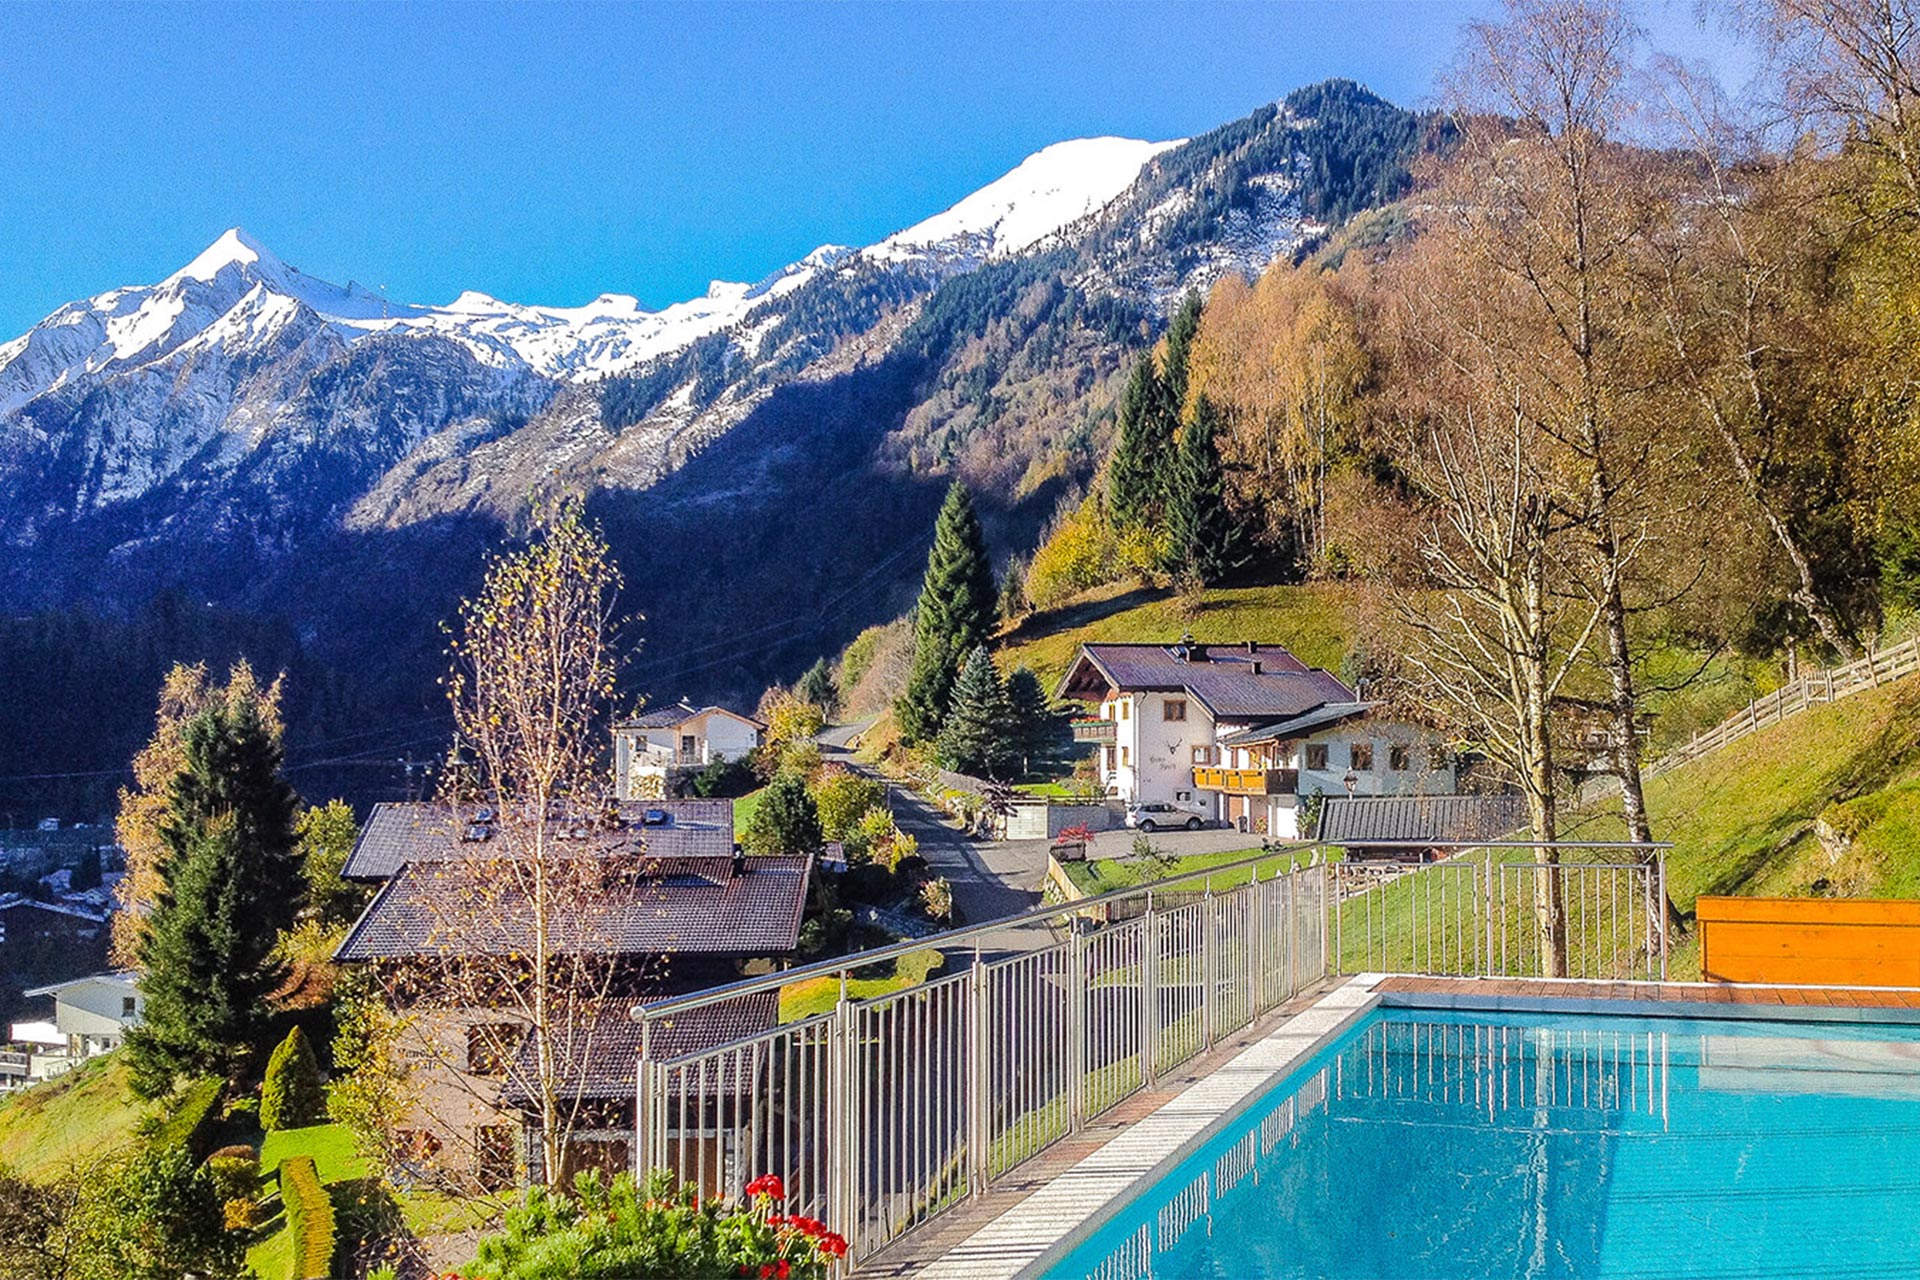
[(765, 456)]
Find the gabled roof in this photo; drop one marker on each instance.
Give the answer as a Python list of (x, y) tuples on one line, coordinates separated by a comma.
[(1360, 819), (601, 1062), (15, 901), (678, 713), (1234, 682), (1297, 726), (623, 905), (395, 834), (120, 978)]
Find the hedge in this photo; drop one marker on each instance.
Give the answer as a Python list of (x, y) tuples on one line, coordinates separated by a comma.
[(309, 1219), (190, 1123)]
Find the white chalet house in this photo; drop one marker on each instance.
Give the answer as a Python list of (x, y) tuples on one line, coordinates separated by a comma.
[(1245, 731), (653, 748), (94, 1012)]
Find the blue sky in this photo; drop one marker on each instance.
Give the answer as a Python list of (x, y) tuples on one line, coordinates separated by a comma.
[(549, 153)]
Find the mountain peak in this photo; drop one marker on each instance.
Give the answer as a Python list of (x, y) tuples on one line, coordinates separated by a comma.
[(234, 248)]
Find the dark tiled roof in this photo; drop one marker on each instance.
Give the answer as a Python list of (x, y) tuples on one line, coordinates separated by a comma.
[(1220, 676), (1294, 727), (1359, 819), (395, 834), (632, 905), (678, 713), (601, 1062)]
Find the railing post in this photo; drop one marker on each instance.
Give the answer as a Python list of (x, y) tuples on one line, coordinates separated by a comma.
[(1254, 961), (1660, 864), (1149, 994), (1330, 887), (1209, 930), (843, 1161), (977, 1164), (1078, 996), (643, 1096), (1483, 882)]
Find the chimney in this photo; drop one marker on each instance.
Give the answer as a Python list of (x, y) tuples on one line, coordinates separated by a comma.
[(739, 859), (1255, 666), (1253, 646)]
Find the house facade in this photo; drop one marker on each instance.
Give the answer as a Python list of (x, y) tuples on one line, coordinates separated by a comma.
[(1247, 732), (656, 902), (654, 749), (92, 1014)]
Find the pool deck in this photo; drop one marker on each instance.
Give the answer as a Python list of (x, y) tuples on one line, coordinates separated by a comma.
[(1057, 1197)]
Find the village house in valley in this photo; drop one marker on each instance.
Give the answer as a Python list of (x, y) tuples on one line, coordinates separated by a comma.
[(1246, 733), (655, 749), (666, 905)]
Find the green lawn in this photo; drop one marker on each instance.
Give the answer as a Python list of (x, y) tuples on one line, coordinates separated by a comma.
[(1316, 621), (75, 1120), (743, 807), (819, 995), (1104, 875)]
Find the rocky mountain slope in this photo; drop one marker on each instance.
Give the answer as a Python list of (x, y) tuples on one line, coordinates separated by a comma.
[(766, 457)]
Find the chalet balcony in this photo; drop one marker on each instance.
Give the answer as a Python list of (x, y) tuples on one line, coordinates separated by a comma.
[(1102, 732), (1246, 782)]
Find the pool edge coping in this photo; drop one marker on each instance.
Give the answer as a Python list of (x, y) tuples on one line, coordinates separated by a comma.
[(1059, 1217)]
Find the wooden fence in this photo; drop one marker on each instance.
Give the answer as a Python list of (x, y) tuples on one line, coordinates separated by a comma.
[(1810, 941), (1813, 690)]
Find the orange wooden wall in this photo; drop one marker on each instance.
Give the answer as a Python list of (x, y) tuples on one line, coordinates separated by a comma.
[(1812, 941)]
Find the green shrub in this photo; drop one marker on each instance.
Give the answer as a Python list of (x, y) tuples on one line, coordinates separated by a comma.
[(292, 1096), (189, 1120), (842, 797), (236, 1180), (156, 1217), (614, 1231), (309, 1219)]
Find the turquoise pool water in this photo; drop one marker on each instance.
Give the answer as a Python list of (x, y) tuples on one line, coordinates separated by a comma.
[(1435, 1145)]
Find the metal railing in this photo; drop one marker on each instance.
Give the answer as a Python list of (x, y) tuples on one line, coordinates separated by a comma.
[(883, 1111)]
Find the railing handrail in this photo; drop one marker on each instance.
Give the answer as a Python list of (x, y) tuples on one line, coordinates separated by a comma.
[(834, 966)]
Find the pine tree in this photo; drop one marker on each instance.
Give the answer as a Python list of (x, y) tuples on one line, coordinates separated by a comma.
[(1180, 336), (1202, 534), (817, 686), (1030, 717), (955, 615), (292, 1096), (231, 883), (974, 738), (1142, 447)]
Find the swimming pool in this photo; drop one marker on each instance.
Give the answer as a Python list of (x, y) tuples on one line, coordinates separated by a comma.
[(1426, 1144)]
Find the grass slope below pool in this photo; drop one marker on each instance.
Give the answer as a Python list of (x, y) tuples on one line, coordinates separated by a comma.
[(1743, 819), (819, 995), (86, 1115)]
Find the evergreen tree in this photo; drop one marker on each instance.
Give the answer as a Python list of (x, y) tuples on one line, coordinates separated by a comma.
[(1202, 534), (1180, 336), (786, 819), (955, 615), (974, 738), (86, 872), (291, 1096), (1031, 721), (1142, 447), (231, 883), (817, 687)]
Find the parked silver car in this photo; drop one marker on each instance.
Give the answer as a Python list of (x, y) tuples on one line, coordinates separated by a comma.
[(1162, 814)]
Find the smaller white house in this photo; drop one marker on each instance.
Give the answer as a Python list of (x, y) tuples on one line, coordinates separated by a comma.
[(92, 1014), (653, 748)]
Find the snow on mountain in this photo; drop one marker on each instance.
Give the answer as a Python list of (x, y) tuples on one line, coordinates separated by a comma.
[(1048, 192), (236, 292)]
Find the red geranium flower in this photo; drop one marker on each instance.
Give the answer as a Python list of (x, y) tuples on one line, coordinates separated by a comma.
[(769, 1185), (781, 1270)]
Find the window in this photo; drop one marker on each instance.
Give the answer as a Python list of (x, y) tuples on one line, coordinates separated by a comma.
[(489, 1045), (1106, 754), (1124, 705), (1125, 760), (1316, 755), (1173, 709), (415, 1145), (1203, 755), (1399, 757), (493, 1155), (128, 1006), (1438, 758), (1360, 756), (1183, 795)]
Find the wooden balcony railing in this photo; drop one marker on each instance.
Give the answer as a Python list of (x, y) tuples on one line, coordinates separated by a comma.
[(1099, 731), (1246, 782)]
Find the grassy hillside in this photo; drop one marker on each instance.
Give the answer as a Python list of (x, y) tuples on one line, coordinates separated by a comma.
[(1317, 621), (85, 1115), (1750, 818)]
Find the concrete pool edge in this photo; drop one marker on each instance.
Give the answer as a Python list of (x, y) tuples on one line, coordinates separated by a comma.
[(1058, 1217), (1690, 1000)]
